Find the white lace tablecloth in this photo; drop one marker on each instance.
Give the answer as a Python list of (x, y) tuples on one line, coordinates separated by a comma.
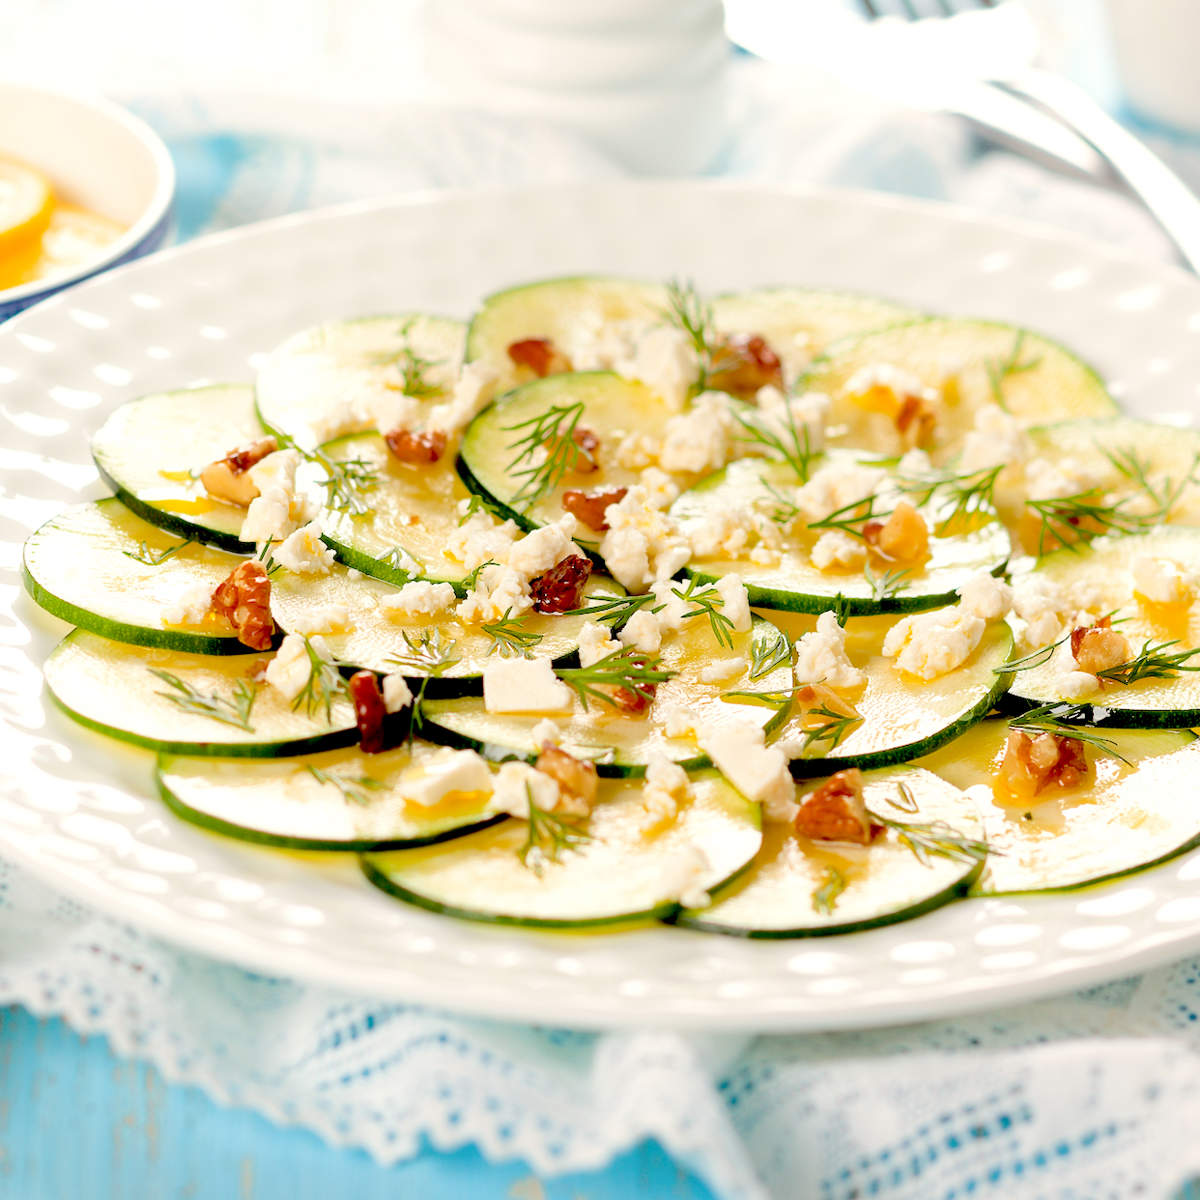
[(1093, 1095)]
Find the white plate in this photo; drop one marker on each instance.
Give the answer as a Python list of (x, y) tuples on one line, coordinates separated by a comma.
[(80, 811)]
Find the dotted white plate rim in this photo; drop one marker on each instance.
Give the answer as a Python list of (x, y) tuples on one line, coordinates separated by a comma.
[(82, 814)]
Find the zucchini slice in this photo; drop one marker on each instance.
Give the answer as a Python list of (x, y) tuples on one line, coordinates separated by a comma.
[(411, 516), (1124, 818), (796, 887), (339, 800), (1045, 381), (103, 568), (1102, 572), (556, 309), (902, 717), (613, 408), (362, 633), (621, 744), (623, 872), (794, 583), (311, 387), (110, 687), (148, 450)]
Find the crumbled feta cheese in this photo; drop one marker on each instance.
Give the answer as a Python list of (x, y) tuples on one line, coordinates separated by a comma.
[(545, 731), (515, 783), (914, 464), (664, 360), (793, 418), (481, 539), (661, 490), (595, 642), (1160, 581), (834, 548), (642, 631), (758, 771), (328, 618), (418, 598), (721, 668), (642, 544), (725, 533), (686, 875), (985, 596), (388, 409), (735, 601), (1076, 685), (1041, 604), (634, 451), (821, 657), (1066, 476), (191, 606), (472, 392), (282, 505), (676, 720), (538, 551), (669, 605), (666, 785), (997, 437), (303, 551), (887, 377), (446, 773), (835, 486), (397, 695), (498, 590), (697, 441), (289, 671), (517, 685)]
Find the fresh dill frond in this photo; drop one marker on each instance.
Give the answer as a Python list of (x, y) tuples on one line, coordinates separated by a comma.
[(1061, 720), (935, 839), (1000, 369), (346, 481), (549, 836), (785, 511), (956, 497), (840, 609), (768, 655), (511, 636), (354, 791), (152, 558), (885, 586), (545, 451), (430, 655), (233, 710), (413, 367), (401, 559), (831, 731), (1030, 662), (792, 445), (615, 611), (1074, 521), (850, 518), (267, 558), (1163, 495), (323, 685), (708, 603), (1153, 661), (686, 310), (825, 897), (625, 670)]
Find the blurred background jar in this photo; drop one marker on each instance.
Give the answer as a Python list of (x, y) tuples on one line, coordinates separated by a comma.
[(1156, 43)]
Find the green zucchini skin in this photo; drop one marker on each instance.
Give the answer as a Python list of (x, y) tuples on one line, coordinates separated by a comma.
[(258, 837), (1105, 718)]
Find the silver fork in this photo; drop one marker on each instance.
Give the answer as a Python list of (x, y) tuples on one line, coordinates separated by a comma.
[(1165, 196)]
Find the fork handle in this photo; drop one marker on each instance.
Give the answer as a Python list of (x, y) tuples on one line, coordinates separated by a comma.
[(1165, 196)]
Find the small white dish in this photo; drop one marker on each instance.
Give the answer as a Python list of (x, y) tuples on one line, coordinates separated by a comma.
[(98, 155), (80, 809)]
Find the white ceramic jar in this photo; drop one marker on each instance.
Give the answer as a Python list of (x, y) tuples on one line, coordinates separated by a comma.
[(1156, 43)]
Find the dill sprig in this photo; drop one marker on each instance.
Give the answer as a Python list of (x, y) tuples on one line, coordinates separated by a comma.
[(840, 607), (346, 480), (792, 444), (1074, 521), (430, 655), (1030, 662), (615, 611), (267, 558), (233, 711), (884, 586), (413, 366), (708, 603), (851, 517), (546, 451), (1165, 495), (930, 839), (151, 558), (1152, 662), (623, 669), (785, 511), (999, 369), (831, 731), (549, 835), (957, 496), (1060, 720), (475, 504), (767, 655), (511, 636), (402, 559), (825, 897), (323, 684), (688, 312), (355, 791)]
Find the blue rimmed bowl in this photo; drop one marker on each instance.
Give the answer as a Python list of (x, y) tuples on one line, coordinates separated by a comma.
[(98, 155)]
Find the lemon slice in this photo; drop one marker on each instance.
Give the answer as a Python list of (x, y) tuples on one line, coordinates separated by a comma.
[(74, 236), (26, 205)]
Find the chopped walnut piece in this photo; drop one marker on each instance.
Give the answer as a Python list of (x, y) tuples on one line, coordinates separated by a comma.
[(915, 421), (369, 710), (587, 460), (589, 506), (577, 780), (228, 478), (835, 812), (245, 599), (560, 589), (419, 449), (1035, 761), (1099, 647), (742, 363), (903, 537), (539, 355)]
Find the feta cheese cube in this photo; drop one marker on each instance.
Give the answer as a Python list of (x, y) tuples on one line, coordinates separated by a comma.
[(419, 598), (191, 606), (697, 441), (837, 549), (821, 657), (397, 695), (642, 631), (289, 671), (472, 391), (721, 668), (524, 685), (595, 642), (538, 551), (447, 773), (545, 731), (303, 551), (758, 771)]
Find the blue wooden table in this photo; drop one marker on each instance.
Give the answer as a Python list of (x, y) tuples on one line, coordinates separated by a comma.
[(78, 1123)]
